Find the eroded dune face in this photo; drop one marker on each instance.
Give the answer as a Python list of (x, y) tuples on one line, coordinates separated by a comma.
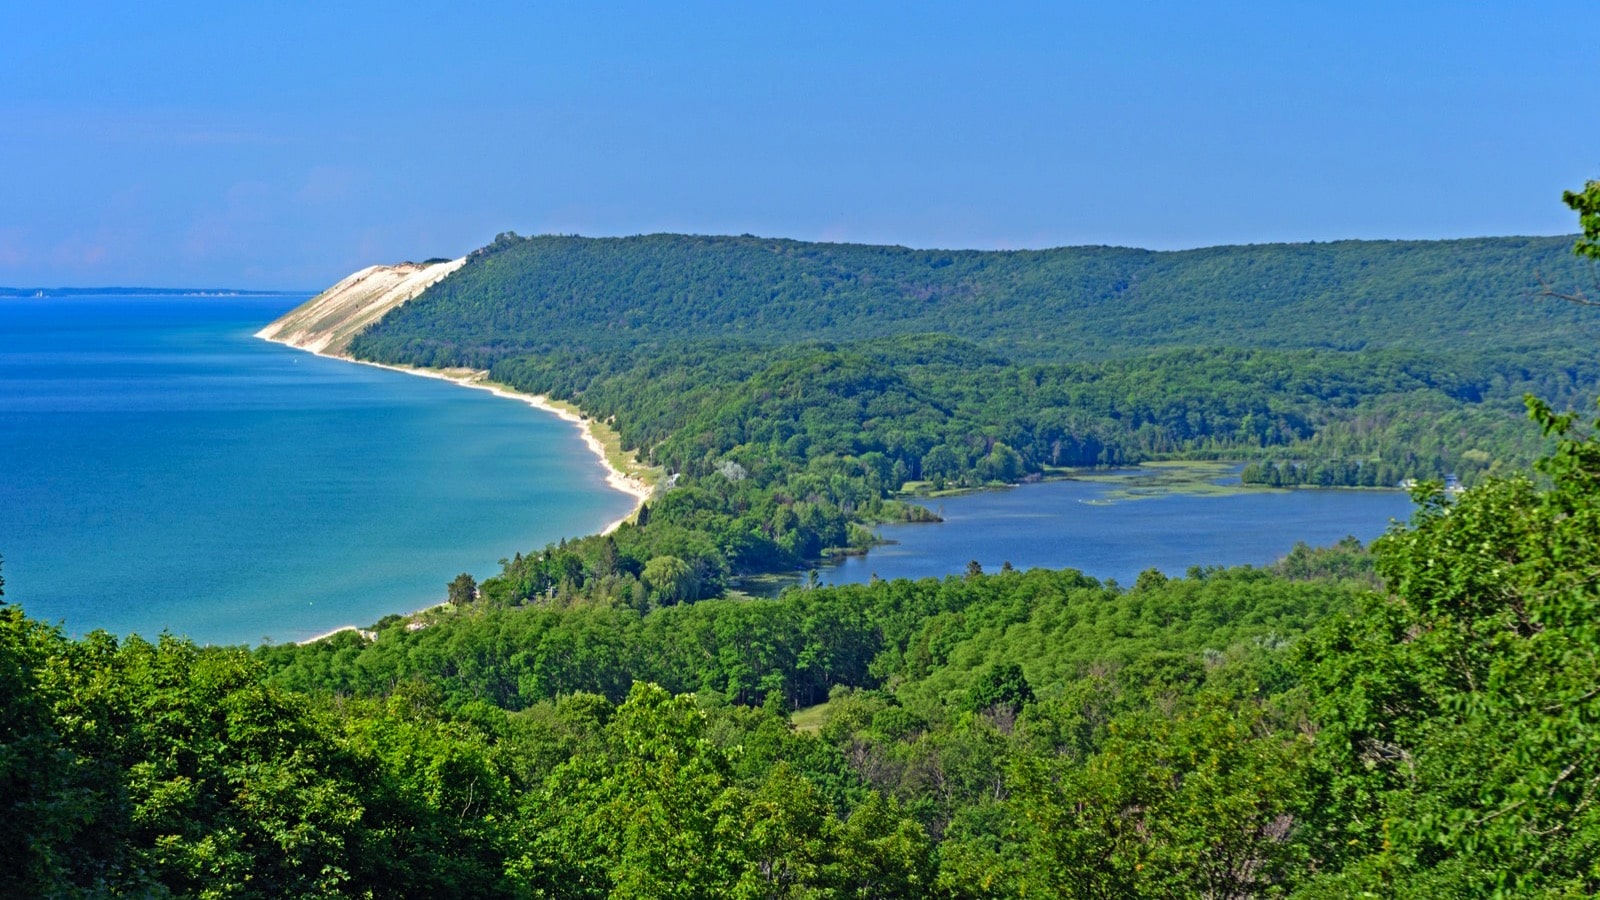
[(327, 322)]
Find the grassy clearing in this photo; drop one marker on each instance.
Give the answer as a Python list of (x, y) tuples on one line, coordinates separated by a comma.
[(923, 490), (1194, 478), (810, 719), (764, 586), (1197, 478)]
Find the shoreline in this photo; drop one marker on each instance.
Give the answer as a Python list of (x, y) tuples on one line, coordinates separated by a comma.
[(364, 632), (369, 634), (627, 483), (616, 479)]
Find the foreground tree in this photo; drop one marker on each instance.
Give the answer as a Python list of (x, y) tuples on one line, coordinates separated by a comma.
[(1586, 203), (1461, 711), (1197, 804), (1460, 744), (661, 813)]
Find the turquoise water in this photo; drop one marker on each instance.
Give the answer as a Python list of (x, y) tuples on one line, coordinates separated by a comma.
[(161, 469), (1070, 524)]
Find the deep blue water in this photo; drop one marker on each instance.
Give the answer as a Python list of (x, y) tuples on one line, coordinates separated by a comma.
[(1068, 524), (161, 469)]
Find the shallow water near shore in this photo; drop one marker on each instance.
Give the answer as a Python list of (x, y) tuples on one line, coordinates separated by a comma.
[(162, 469)]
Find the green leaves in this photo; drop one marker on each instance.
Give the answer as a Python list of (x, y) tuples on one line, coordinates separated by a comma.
[(1460, 712), (1197, 804), (661, 813), (549, 294), (1586, 204), (1001, 685)]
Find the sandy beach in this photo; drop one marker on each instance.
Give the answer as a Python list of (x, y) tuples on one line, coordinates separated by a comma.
[(631, 485), (617, 479), (325, 325), (369, 635)]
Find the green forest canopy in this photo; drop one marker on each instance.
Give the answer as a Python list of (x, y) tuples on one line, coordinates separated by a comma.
[(531, 294), (832, 377), (1283, 732), (1416, 722)]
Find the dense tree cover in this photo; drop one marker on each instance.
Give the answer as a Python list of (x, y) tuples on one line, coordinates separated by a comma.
[(522, 295), (376, 768), (905, 399), (165, 769), (1459, 710), (800, 647), (1228, 733), (794, 389), (1418, 722), (1289, 731), (783, 455)]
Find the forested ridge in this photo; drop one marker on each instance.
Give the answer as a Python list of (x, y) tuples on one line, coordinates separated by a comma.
[(797, 391), (1418, 719), (533, 294)]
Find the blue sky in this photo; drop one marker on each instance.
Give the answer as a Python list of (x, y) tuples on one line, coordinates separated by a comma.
[(283, 145)]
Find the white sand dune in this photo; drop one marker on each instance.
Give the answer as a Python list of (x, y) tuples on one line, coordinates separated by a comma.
[(326, 323)]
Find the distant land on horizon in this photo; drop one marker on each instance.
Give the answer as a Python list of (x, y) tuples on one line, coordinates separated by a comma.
[(11, 293), (78, 290)]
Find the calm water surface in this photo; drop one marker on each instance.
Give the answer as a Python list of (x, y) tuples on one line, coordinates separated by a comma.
[(1068, 524), (162, 469)]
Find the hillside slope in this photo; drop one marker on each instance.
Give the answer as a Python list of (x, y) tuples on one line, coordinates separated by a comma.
[(327, 322), (1355, 362), (521, 295)]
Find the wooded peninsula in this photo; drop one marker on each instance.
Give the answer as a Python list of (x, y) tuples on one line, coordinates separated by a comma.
[(605, 718)]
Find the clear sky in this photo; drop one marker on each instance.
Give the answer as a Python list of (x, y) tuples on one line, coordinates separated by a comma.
[(283, 145)]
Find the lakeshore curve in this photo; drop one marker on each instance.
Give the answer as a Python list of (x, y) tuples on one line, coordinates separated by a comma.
[(628, 483), (326, 324), (633, 484)]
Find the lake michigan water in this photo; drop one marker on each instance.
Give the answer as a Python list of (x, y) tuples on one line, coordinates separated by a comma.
[(162, 469)]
